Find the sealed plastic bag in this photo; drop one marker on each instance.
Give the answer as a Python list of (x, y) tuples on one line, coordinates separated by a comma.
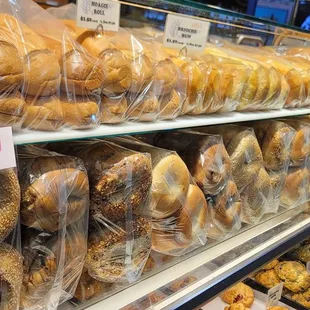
[(120, 230), (209, 164), (249, 174), (178, 207), (275, 140), (54, 212)]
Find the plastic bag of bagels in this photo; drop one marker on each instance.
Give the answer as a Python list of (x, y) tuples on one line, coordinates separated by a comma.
[(249, 174), (275, 140), (178, 207), (54, 217), (11, 260), (120, 227), (209, 164)]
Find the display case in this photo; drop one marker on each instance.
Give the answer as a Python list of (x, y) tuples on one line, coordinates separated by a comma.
[(221, 254)]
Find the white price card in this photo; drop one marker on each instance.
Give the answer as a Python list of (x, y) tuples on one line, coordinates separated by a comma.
[(7, 151), (308, 267), (182, 31), (274, 295), (91, 13)]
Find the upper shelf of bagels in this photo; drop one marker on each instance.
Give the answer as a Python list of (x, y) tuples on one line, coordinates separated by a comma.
[(57, 77)]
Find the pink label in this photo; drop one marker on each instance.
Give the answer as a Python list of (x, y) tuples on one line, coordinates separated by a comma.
[(7, 151)]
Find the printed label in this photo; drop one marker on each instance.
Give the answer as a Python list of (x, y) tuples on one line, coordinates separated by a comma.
[(274, 295), (183, 31), (91, 14), (7, 151)]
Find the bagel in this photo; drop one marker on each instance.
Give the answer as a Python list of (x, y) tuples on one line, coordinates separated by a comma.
[(50, 261), (301, 142), (196, 208), (109, 259), (275, 140), (10, 201), (295, 190), (11, 275), (174, 234), (50, 189), (170, 105), (89, 287), (227, 207), (245, 155), (239, 293), (113, 110), (43, 113), (257, 198), (169, 186)]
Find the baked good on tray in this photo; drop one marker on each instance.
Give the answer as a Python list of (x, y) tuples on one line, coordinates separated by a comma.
[(267, 278), (239, 293)]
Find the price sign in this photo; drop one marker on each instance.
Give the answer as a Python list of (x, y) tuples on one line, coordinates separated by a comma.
[(7, 151), (91, 13), (274, 295), (182, 31)]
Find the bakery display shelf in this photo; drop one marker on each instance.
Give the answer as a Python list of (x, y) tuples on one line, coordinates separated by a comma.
[(215, 267), (29, 136)]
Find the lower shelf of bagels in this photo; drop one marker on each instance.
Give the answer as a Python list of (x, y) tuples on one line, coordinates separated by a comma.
[(31, 136), (188, 281)]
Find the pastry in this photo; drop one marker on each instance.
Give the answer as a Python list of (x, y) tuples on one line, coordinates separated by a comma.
[(89, 287), (257, 198), (239, 293), (113, 110), (275, 140), (12, 109), (227, 207), (294, 276), (11, 274), (236, 307), (302, 253), (43, 113), (11, 67), (169, 186), (170, 105), (80, 111), (52, 185), (302, 298), (267, 278), (10, 201), (277, 308), (51, 260), (109, 259), (295, 188)]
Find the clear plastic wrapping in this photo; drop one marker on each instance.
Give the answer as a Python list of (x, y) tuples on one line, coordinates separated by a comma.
[(209, 164), (275, 140), (249, 174), (120, 228), (11, 260), (54, 214), (178, 207)]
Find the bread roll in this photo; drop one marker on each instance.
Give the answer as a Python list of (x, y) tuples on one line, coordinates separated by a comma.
[(48, 184), (11, 274), (107, 257), (80, 111), (10, 201), (43, 113), (11, 67), (12, 109), (141, 66), (117, 66), (113, 110)]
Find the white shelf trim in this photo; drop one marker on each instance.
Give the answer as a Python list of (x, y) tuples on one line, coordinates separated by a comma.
[(31, 136)]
